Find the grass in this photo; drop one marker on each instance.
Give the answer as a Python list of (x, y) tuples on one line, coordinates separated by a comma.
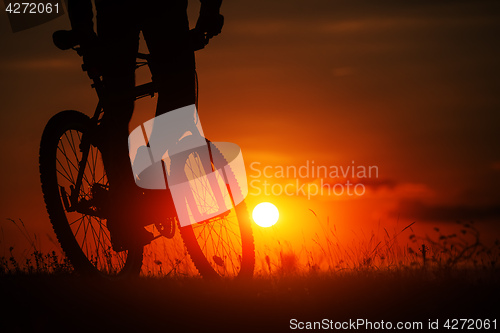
[(265, 304), (396, 276), (33, 260), (400, 250)]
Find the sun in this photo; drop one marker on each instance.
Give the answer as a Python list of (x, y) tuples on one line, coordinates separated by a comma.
[(265, 214)]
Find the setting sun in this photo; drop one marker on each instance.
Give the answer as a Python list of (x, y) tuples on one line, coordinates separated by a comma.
[(265, 214)]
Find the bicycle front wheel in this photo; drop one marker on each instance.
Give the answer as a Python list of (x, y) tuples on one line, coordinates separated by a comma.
[(78, 224), (221, 245)]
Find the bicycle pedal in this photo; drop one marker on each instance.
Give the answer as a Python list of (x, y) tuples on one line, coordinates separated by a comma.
[(166, 229)]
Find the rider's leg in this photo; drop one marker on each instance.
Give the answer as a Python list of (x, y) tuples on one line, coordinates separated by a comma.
[(173, 65), (118, 31)]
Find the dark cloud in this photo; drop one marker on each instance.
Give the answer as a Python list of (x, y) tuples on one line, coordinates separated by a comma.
[(369, 183), (303, 9), (417, 210)]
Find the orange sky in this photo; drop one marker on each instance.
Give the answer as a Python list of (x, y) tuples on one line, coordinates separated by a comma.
[(409, 87)]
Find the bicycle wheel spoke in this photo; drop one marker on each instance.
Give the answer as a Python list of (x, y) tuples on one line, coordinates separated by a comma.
[(90, 232), (68, 158), (70, 163), (65, 176), (68, 173), (203, 180)]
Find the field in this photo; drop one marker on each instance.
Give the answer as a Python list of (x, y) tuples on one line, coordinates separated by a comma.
[(48, 302), (378, 283)]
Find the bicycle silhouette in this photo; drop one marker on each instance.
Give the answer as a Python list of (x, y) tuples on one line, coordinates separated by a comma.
[(75, 189)]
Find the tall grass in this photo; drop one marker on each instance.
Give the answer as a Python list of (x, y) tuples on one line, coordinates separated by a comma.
[(462, 249), (399, 250), (32, 260)]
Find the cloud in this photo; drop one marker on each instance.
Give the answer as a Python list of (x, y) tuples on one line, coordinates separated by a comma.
[(378, 183), (328, 16), (418, 210), (495, 166), (387, 187), (38, 64)]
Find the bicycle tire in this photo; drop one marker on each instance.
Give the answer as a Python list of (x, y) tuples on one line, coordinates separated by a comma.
[(60, 134), (210, 262)]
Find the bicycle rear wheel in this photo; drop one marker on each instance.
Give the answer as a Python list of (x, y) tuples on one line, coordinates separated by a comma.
[(81, 230), (222, 245)]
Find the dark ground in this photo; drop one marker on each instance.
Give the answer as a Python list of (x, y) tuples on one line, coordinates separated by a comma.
[(68, 303)]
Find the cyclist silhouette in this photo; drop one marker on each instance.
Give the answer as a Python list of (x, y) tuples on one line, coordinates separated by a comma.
[(112, 52)]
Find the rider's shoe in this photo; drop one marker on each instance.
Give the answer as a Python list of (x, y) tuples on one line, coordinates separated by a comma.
[(125, 230), (127, 235)]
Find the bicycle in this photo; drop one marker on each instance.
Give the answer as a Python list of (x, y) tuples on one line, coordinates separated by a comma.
[(74, 186)]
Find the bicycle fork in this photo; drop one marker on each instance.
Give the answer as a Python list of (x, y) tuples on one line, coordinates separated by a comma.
[(70, 201)]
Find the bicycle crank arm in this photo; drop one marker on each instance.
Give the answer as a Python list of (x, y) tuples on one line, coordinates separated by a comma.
[(84, 206)]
